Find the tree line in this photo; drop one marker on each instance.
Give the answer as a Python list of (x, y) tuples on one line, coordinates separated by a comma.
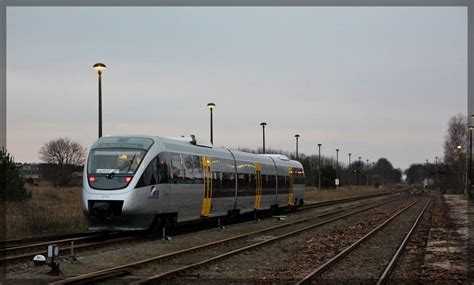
[(448, 173), (358, 172), (62, 157)]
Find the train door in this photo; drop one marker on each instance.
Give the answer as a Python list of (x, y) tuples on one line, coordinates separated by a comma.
[(258, 185), (290, 186), (207, 197)]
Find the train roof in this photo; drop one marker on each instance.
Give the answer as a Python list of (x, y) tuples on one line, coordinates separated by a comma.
[(191, 145)]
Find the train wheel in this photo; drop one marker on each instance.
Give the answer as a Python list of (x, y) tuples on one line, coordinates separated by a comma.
[(157, 224)]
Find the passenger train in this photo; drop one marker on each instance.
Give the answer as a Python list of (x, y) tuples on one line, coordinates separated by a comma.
[(143, 182)]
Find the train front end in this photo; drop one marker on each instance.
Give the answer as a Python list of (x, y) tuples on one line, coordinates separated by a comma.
[(113, 168)]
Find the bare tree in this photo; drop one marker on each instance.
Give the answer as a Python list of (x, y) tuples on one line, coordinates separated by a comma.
[(62, 155), (455, 148)]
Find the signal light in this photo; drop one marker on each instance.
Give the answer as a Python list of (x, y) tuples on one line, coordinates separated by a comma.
[(91, 179), (128, 179)]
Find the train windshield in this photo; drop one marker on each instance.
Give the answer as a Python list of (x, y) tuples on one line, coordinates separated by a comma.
[(113, 161)]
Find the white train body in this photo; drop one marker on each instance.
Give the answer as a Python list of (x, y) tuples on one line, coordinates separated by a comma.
[(133, 182)]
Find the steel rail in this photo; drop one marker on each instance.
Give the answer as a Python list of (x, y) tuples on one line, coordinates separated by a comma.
[(397, 254), (334, 259), (24, 256), (118, 270), (4, 244), (343, 200), (32, 245)]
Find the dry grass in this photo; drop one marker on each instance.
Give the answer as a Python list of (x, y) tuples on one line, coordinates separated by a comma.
[(49, 211), (312, 194), (58, 210)]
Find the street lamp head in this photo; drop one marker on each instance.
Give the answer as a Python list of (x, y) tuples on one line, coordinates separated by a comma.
[(350, 154), (319, 144), (458, 147), (297, 136), (263, 124), (471, 128), (337, 149), (211, 105), (99, 67)]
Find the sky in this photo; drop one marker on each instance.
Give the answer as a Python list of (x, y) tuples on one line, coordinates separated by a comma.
[(372, 81)]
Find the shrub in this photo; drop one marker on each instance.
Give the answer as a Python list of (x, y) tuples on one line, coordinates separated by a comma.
[(12, 185)]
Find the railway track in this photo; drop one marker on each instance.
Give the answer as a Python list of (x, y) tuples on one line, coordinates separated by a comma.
[(344, 200), (197, 256), (5, 244), (339, 258), (24, 252), (19, 250)]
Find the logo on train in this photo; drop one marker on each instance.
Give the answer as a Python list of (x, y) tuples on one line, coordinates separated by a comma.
[(154, 193)]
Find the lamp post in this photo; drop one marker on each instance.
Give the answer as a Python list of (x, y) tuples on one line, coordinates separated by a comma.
[(100, 67), (436, 171), (337, 167), (367, 174), (373, 174), (211, 106), (319, 165), (263, 124), (297, 137), (350, 170), (360, 172)]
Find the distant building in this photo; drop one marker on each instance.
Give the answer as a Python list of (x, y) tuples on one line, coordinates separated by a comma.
[(428, 183), (29, 170)]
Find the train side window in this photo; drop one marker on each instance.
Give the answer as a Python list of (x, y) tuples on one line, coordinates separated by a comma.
[(216, 180), (162, 168), (282, 186), (148, 176), (228, 180), (176, 168), (197, 169), (264, 181), (252, 182), (188, 168), (271, 181), (242, 180)]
